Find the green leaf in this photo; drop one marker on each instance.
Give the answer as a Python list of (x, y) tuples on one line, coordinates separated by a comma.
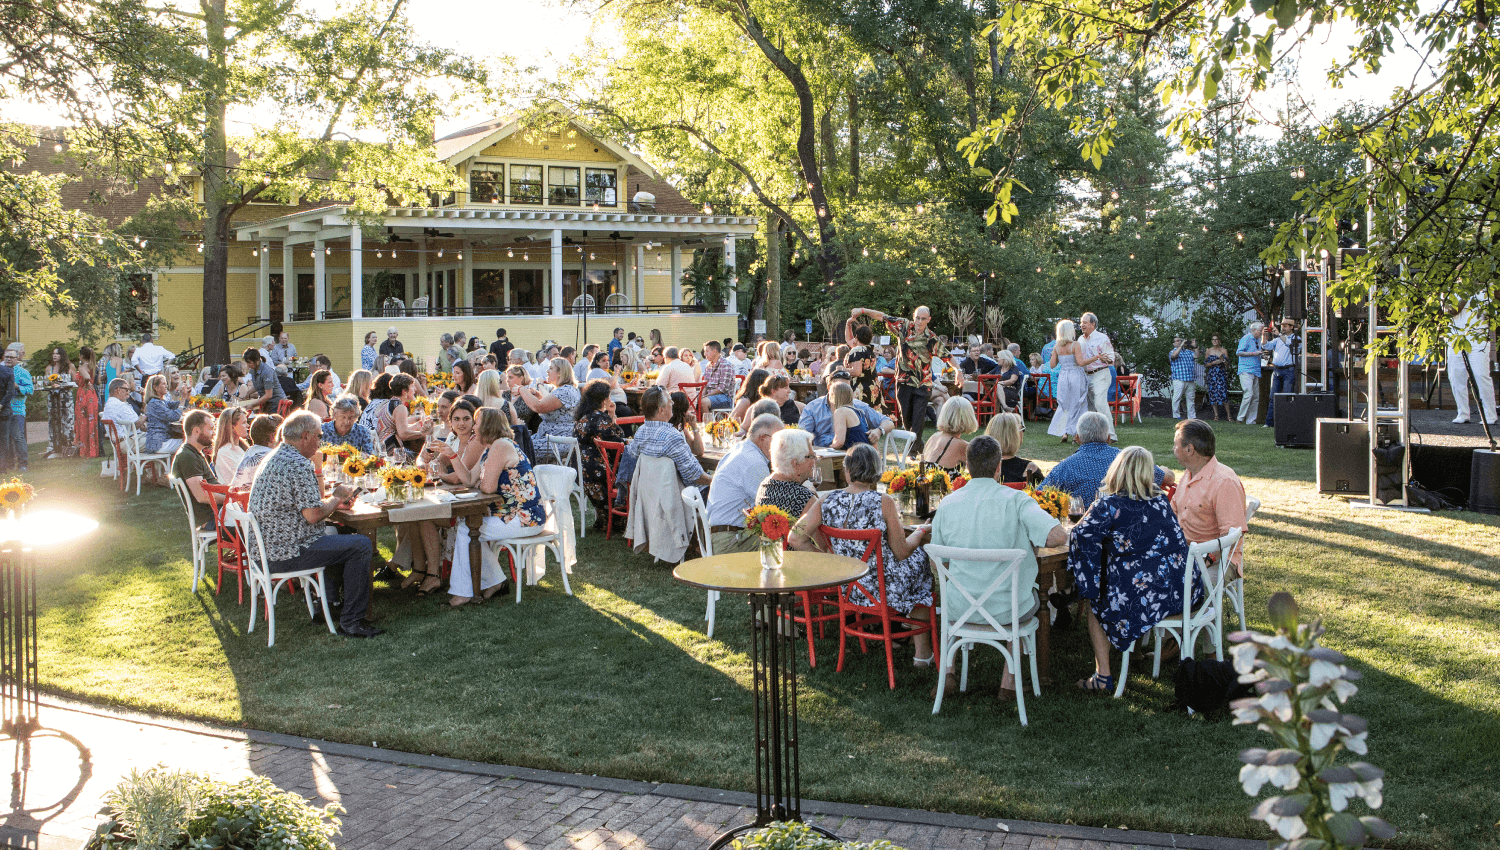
[(1346, 829), (1286, 13)]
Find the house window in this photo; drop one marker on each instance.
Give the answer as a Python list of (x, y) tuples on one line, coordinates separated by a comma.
[(305, 303), (278, 297), (528, 290), (562, 186), (489, 291), (486, 185), (136, 299), (601, 284), (526, 184), (599, 187)]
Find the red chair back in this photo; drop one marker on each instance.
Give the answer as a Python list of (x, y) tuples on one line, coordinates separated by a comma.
[(284, 407), (695, 393), (1016, 485), (871, 538), (1126, 387), (610, 452), (1043, 394), (230, 547), (1170, 490), (628, 420), (873, 618), (988, 402)]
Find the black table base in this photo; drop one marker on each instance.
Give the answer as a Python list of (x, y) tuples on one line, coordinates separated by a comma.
[(773, 657), (20, 708)]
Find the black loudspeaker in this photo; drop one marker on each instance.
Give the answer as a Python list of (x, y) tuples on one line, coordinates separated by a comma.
[(1344, 455), (1297, 417), (1484, 482), (1294, 284)]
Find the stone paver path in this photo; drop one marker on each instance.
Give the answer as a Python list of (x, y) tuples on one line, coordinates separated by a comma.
[(400, 801)]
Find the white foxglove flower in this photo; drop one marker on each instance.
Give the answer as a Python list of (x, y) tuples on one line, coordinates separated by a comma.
[(1324, 672), (1278, 704), (1282, 814), (1244, 657)]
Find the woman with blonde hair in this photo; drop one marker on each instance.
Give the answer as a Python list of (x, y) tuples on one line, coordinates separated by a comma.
[(955, 419), (231, 441), (320, 394), (556, 408), (1072, 386), (360, 384), (848, 429), (503, 468), (1006, 430), (162, 412), (1127, 557)]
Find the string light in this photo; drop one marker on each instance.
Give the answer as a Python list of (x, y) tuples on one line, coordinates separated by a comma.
[(460, 255), (440, 253), (1132, 256), (329, 252), (57, 148), (1179, 246), (1240, 235), (1113, 195), (379, 254), (866, 252), (200, 247), (254, 252), (510, 252), (920, 209)]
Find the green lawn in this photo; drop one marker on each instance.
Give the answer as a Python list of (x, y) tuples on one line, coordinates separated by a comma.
[(620, 680)]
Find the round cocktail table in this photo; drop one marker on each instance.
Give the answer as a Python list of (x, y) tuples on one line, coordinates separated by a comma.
[(773, 655)]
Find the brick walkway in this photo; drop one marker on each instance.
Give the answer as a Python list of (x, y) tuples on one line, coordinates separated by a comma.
[(401, 801)]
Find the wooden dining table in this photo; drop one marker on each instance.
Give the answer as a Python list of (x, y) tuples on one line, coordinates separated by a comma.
[(830, 464), (469, 505)]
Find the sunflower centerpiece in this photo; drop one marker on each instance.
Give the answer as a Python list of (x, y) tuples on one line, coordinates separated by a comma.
[(14, 494)]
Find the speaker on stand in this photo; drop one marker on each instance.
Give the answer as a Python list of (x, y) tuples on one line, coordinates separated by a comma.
[(1294, 285)]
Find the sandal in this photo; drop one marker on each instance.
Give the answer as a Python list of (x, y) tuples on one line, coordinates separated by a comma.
[(492, 592), (425, 590), (1097, 682), (459, 601), (922, 662)]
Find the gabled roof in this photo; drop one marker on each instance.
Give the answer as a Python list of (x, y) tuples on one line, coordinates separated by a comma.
[(469, 142)]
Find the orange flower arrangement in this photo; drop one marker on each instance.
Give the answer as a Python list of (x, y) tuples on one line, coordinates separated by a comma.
[(768, 521)]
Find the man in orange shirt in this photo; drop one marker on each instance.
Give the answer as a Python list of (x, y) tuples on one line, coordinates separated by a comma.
[(1210, 499)]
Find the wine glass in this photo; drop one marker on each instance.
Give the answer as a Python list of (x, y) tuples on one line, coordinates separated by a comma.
[(1075, 509)]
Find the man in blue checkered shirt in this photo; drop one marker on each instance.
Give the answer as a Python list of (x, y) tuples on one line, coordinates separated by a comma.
[(657, 438), (1080, 475), (1184, 360)]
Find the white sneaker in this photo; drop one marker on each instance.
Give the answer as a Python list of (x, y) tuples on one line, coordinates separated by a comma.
[(1461, 420)]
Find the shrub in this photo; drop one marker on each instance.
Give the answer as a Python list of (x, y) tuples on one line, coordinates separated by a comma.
[(786, 835), (168, 810)]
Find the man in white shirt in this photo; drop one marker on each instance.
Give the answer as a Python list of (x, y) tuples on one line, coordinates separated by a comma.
[(150, 358), (283, 351), (117, 406), (673, 372), (1096, 354), (736, 482), (1478, 357), (741, 360)]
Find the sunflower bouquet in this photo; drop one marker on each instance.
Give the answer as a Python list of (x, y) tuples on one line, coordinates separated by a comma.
[(935, 481), (901, 481), (960, 479), (421, 404), (354, 466), (15, 493), (403, 483), (722, 429), (1054, 501), (770, 525), (206, 402), (56, 380)]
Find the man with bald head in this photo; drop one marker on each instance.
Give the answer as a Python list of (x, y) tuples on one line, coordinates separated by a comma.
[(916, 346)]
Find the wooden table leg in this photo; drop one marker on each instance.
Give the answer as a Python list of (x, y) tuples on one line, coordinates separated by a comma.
[(474, 522)]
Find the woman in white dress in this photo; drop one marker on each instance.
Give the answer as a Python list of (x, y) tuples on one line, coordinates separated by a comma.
[(1072, 387)]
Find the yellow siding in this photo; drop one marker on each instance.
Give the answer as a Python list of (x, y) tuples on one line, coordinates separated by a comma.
[(570, 148)]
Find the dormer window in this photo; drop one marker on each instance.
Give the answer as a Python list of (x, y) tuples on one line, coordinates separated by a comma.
[(487, 184), (600, 187), (526, 184), (562, 186)]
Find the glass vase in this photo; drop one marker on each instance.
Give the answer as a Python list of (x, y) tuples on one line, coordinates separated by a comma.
[(770, 554), (397, 491)]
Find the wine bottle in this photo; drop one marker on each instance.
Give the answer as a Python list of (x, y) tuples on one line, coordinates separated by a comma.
[(922, 512)]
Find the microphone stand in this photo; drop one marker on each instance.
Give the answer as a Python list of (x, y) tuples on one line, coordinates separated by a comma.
[(1473, 383)]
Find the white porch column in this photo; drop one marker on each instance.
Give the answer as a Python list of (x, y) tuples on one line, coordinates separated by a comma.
[(356, 272), (676, 275), (288, 283), (640, 275), (729, 267), (263, 283), (557, 273), (465, 283), (320, 284), (416, 285)]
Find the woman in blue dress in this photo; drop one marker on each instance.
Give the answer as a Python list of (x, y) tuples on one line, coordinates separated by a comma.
[(162, 412), (503, 469), (1071, 387), (1127, 556)]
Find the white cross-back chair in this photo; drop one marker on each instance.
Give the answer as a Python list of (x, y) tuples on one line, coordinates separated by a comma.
[(1235, 588), (966, 620), (899, 443), (203, 541), (568, 453), (137, 460), (694, 501), (522, 549), (262, 580), (616, 303), (1187, 624)]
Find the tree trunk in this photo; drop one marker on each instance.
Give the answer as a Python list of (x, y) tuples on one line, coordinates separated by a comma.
[(773, 278), (829, 262), (216, 211), (825, 135)]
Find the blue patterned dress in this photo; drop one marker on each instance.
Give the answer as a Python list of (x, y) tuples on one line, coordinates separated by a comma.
[(1128, 556), (517, 485), (908, 583)]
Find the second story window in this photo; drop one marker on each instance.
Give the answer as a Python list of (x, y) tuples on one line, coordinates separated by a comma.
[(599, 187), (562, 186), (526, 184), (487, 184)]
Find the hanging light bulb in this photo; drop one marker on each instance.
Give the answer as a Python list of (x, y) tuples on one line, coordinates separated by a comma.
[(822, 212), (1240, 235), (1179, 246), (934, 249), (265, 180), (1002, 246), (393, 253), (1113, 195), (254, 252), (526, 256), (329, 252), (440, 253), (1205, 228), (379, 254), (100, 240), (866, 252), (591, 255), (707, 209), (57, 148), (200, 247), (510, 252), (1132, 256), (167, 168), (143, 244), (1038, 269), (1078, 262), (1070, 240), (460, 255), (921, 209), (1137, 236), (872, 283), (313, 254), (1354, 225)]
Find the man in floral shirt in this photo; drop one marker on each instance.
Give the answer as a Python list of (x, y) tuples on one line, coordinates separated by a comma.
[(916, 347), (288, 503)]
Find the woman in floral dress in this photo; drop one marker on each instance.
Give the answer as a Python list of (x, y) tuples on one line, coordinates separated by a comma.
[(596, 421), (1127, 556), (503, 470), (86, 409), (908, 581), (59, 405), (1216, 373)]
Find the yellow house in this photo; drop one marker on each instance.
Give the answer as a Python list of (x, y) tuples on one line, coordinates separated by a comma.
[(561, 236)]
